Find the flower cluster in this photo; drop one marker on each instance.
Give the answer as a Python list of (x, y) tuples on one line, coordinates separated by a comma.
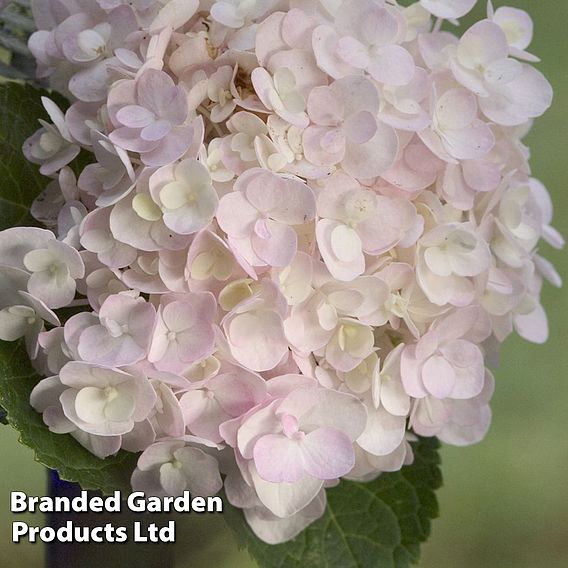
[(305, 228)]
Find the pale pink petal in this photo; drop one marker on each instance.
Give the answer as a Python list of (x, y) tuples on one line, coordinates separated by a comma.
[(257, 423), (519, 22), (135, 116), (438, 376), (324, 146), (325, 107), (483, 43), (98, 346), (383, 433), (174, 14), (324, 42), (353, 52), (341, 249), (394, 398), (170, 148), (201, 471), (470, 143), (327, 453), (275, 530), (156, 130), (277, 245), (371, 159), (238, 392), (456, 109), (236, 215), (286, 499), (360, 127), (481, 175), (257, 340), (325, 408), (279, 459), (449, 9), (392, 65), (533, 326), (410, 373), (527, 96)]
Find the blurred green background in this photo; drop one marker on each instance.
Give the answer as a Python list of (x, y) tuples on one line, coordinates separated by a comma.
[(504, 503)]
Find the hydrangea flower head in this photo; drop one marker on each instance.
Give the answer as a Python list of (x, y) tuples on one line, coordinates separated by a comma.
[(305, 230)]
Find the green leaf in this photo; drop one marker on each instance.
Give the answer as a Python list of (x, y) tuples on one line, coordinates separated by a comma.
[(17, 20), (380, 524), (20, 181), (56, 451)]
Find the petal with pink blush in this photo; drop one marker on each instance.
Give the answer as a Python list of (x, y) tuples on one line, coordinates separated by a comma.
[(169, 416), (298, 205), (410, 373), (481, 175), (171, 147), (174, 14), (278, 247), (135, 116), (97, 346), (279, 459), (392, 65), (439, 376), (329, 408), (336, 239), (462, 354), (324, 42), (517, 20), (469, 380), (507, 107), (383, 433), (157, 454), (238, 392), (286, 499), (360, 127), (394, 398), (211, 416), (324, 146), (325, 107), (275, 530), (481, 44), (327, 453), (456, 109), (236, 215), (449, 9), (261, 421), (262, 189), (156, 130), (470, 143), (533, 326), (353, 52), (257, 340), (372, 158)]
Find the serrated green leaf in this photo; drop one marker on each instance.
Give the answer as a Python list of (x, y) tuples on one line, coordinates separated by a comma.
[(57, 451), (380, 524)]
